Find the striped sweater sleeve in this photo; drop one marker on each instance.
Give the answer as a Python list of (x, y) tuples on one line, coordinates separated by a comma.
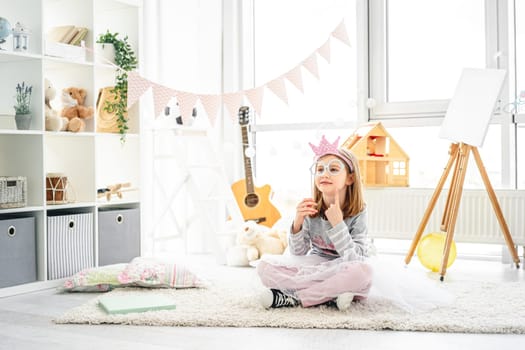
[(299, 243), (349, 238)]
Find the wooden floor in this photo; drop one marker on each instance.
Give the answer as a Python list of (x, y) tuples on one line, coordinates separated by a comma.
[(26, 323)]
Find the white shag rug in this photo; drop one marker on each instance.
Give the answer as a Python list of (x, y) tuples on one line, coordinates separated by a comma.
[(230, 300)]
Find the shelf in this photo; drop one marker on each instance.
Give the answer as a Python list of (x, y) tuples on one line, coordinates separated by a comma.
[(25, 209), (85, 160), (13, 56)]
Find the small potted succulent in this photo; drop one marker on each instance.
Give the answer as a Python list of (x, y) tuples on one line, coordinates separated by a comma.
[(22, 106)]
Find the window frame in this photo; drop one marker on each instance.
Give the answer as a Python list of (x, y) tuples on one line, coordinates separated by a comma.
[(371, 79), (499, 53)]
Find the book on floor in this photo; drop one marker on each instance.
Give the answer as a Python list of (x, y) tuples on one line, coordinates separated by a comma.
[(124, 304)]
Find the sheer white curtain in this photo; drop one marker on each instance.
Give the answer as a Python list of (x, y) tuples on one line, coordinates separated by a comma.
[(183, 50)]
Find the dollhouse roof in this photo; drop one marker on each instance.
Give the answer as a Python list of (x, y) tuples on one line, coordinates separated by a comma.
[(357, 142)]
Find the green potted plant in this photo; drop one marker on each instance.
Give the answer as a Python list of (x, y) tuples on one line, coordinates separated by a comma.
[(22, 106), (126, 60)]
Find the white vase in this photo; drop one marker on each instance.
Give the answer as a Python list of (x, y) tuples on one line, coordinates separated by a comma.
[(104, 53)]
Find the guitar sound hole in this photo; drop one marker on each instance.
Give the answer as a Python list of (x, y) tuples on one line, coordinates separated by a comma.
[(251, 200)]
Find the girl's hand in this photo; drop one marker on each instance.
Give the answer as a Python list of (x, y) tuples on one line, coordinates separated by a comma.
[(334, 214), (306, 207)]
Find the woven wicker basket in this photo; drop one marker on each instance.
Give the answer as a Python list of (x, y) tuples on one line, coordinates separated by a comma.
[(13, 191)]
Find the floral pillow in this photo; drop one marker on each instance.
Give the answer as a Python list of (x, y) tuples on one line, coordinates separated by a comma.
[(95, 279), (150, 272)]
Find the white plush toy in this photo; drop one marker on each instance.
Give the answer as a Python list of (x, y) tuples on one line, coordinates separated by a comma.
[(253, 241), (54, 122)]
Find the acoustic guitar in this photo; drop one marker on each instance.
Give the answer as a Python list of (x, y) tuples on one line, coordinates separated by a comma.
[(254, 202)]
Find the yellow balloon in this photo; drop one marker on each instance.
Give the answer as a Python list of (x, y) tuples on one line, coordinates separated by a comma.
[(430, 251)]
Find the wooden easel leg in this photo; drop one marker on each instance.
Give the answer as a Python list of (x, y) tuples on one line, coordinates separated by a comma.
[(453, 151), (456, 191), (496, 207), (450, 195)]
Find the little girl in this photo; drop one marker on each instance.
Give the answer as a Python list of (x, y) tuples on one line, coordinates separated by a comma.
[(327, 241)]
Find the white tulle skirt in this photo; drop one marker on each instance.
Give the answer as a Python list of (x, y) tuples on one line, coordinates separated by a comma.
[(322, 279)]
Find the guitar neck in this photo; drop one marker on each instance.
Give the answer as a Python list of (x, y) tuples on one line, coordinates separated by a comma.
[(247, 161)]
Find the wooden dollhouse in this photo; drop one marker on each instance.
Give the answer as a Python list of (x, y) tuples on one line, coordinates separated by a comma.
[(381, 160)]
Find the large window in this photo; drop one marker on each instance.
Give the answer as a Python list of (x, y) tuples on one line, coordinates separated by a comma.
[(419, 48), (285, 34), (414, 63), (427, 49), (418, 51)]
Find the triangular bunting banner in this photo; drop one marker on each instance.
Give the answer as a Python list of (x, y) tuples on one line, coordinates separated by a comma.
[(295, 76), (137, 86), (311, 65), (255, 96), (341, 34), (233, 102), (324, 51), (211, 104), (278, 88), (186, 101), (161, 96)]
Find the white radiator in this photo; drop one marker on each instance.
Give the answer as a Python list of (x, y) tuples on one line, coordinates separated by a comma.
[(397, 213)]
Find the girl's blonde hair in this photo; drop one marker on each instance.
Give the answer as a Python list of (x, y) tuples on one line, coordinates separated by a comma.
[(354, 200)]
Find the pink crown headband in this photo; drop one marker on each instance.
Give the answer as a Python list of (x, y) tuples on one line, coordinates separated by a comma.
[(325, 148)]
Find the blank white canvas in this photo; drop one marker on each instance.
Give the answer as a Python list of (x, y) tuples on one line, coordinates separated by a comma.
[(469, 112)]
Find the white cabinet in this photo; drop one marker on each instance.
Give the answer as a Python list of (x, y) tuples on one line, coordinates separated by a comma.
[(89, 160)]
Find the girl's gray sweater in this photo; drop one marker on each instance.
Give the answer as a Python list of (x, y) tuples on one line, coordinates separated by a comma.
[(348, 239)]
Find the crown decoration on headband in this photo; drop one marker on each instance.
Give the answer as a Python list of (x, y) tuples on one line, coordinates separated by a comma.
[(325, 147)]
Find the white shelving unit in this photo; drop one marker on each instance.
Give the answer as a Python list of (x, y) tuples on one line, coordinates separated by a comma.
[(89, 159)]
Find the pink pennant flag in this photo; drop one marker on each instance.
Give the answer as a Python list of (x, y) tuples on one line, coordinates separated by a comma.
[(341, 34), (255, 96), (311, 65), (295, 76), (186, 101), (211, 104), (161, 96), (324, 51), (137, 86), (278, 88), (232, 101)]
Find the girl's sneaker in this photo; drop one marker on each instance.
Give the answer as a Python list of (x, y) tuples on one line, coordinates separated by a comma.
[(274, 298)]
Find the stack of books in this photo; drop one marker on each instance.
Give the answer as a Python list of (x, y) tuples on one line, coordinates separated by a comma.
[(67, 34)]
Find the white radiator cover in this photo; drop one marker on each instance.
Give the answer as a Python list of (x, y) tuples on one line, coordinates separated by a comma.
[(397, 212)]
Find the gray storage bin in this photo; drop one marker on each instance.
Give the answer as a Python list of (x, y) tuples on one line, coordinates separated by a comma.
[(69, 244), (17, 251), (118, 235)]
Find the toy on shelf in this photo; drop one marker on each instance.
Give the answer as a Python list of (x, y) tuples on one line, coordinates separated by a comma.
[(54, 122), (114, 190), (74, 110), (381, 160)]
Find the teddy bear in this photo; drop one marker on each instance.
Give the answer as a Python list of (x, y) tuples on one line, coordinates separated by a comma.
[(54, 122), (253, 241), (74, 109)]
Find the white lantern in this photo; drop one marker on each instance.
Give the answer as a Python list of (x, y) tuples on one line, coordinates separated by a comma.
[(20, 37)]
